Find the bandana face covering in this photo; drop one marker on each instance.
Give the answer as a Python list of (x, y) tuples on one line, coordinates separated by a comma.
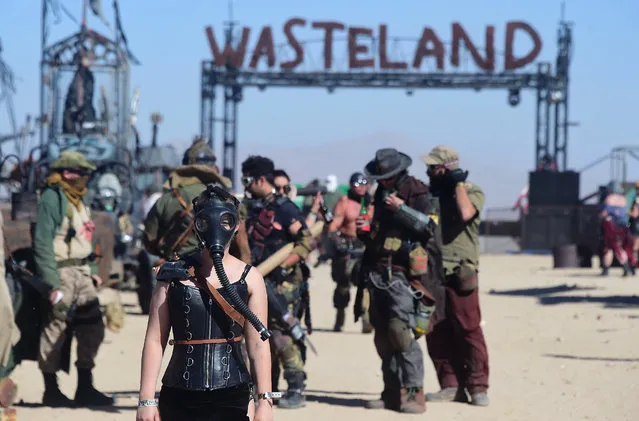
[(74, 189)]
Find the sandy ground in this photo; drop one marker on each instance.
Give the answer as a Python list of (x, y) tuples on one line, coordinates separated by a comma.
[(563, 345)]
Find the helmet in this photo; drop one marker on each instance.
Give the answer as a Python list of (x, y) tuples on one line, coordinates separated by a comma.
[(199, 153)]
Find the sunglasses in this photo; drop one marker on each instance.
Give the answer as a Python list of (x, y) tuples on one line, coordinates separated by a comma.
[(286, 189)]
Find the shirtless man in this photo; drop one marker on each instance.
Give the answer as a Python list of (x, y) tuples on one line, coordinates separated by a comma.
[(344, 242)]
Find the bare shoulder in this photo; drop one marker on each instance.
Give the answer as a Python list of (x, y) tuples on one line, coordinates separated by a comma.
[(254, 278)]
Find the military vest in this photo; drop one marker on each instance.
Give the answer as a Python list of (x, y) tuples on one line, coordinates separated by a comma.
[(266, 235), (73, 240)]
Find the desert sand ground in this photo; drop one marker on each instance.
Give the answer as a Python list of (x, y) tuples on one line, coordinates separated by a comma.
[(563, 345)]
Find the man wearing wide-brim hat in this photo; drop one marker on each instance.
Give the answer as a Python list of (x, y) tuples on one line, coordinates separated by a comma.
[(400, 264), (458, 340), (63, 250)]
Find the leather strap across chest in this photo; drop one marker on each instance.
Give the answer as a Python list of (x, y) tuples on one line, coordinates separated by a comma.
[(228, 309)]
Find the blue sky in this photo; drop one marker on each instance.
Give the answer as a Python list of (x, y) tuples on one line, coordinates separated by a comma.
[(495, 141)]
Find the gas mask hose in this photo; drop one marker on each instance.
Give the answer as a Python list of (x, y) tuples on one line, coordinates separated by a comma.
[(237, 302)]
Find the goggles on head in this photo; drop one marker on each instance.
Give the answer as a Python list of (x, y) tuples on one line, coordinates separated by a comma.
[(359, 181)]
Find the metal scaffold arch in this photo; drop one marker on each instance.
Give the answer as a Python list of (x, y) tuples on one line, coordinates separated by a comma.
[(226, 72)]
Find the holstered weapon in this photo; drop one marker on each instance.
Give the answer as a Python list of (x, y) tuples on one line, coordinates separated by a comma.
[(277, 310), (361, 280)]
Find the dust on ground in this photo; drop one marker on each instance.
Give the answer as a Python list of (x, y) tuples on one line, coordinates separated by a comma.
[(563, 344)]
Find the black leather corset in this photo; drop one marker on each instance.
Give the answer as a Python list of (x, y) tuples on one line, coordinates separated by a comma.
[(194, 315)]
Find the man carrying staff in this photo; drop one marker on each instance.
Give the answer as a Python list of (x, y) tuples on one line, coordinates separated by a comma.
[(168, 227), (457, 345), (63, 248), (277, 223), (400, 257), (342, 235)]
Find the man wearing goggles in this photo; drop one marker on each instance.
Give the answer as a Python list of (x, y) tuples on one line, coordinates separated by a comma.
[(276, 223), (347, 249)]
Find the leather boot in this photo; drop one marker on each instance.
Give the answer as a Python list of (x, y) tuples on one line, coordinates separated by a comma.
[(293, 398), (87, 395), (339, 320), (53, 397), (387, 400), (412, 400)]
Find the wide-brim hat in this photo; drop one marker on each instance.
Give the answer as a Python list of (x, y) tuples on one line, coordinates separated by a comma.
[(388, 163)]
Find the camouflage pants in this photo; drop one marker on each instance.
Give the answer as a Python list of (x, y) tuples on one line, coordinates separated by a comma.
[(77, 286), (284, 351)]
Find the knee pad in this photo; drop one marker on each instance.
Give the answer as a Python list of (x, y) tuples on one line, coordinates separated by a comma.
[(89, 313), (399, 335)]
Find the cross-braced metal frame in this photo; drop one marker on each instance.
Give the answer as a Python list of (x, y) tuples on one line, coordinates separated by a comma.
[(110, 57), (551, 135)]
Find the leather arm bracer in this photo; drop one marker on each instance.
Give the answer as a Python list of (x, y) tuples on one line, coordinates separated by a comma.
[(415, 220)]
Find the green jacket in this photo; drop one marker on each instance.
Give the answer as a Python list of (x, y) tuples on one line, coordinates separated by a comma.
[(160, 215), (52, 209), (461, 239)]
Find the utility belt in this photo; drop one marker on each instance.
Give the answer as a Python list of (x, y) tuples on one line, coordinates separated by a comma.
[(73, 262), (463, 277), (409, 257)]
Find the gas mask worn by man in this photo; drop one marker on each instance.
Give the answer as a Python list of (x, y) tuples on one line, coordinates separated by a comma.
[(278, 223), (62, 244), (346, 249), (400, 264), (168, 227), (458, 341)]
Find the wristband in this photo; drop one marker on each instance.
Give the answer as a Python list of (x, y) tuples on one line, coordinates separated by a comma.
[(143, 403), (269, 395)]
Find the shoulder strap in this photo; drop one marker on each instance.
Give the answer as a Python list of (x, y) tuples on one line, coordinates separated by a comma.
[(228, 309), (247, 269), (178, 196), (177, 270)]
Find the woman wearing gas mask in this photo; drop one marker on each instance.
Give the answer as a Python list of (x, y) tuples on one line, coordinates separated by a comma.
[(209, 314)]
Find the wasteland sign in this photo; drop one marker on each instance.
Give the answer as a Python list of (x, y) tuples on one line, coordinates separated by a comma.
[(363, 53)]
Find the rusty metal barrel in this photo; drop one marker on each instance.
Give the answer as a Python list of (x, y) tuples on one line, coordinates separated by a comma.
[(566, 256)]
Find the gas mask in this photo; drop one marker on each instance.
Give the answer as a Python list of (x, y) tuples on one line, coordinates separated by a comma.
[(216, 219), (215, 222)]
